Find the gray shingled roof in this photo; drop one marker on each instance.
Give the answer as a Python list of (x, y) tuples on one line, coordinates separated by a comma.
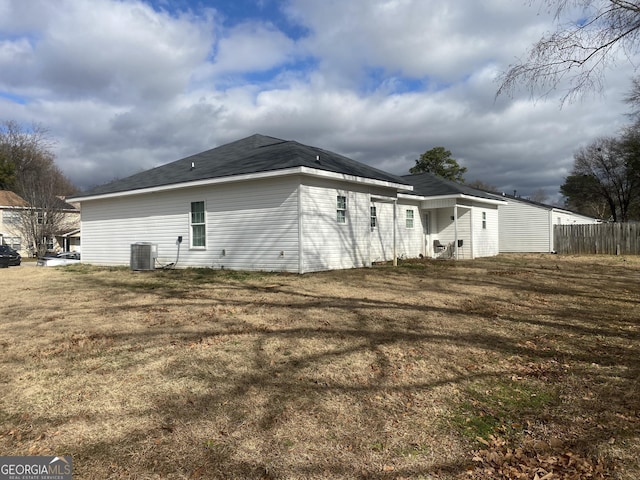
[(254, 154), (430, 185)]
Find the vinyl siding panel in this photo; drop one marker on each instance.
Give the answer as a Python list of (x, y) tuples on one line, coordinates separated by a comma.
[(327, 244), (381, 238), (410, 240), (485, 240), (249, 225), (524, 228), (568, 218)]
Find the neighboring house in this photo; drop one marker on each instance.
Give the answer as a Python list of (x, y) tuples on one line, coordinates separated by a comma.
[(527, 226), (263, 203), (456, 215), (12, 207)]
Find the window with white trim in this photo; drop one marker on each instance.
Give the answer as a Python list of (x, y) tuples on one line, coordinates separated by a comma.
[(409, 219), (10, 218), (198, 225), (341, 209), (374, 217)]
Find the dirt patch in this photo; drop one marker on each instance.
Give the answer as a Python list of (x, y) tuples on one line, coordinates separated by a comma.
[(507, 367)]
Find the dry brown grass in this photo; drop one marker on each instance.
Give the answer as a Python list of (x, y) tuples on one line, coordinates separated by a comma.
[(430, 370)]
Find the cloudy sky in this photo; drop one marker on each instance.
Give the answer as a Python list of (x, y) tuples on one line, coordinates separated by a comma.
[(127, 85)]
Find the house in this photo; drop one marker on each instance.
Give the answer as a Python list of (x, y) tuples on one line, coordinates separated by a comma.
[(12, 211), (527, 226), (262, 203), (456, 215), (11, 204)]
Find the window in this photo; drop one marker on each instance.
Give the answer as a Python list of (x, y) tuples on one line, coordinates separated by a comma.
[(10, 218), (15, 243), (341, 209), (374, 217), (484, 220), (198, 226), (409, 219)]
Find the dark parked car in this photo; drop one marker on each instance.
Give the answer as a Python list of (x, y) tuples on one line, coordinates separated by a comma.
[(9, 257)]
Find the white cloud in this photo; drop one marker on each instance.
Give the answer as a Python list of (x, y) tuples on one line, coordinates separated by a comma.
[(416, 38), (124, 87), (118, 51), (252, 47)]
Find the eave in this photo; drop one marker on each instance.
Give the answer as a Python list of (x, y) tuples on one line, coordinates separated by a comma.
[(307, 171), (458, 196)]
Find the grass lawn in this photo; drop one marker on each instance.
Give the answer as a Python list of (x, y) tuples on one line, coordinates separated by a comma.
[(519, 366)]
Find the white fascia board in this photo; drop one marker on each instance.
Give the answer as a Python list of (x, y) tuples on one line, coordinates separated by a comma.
[(250, 176), (353, 178), (452, 197), (14, 207), (383, 198)]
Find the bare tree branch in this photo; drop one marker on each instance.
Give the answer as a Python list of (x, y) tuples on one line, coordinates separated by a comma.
[(28, 168), (576, 56)]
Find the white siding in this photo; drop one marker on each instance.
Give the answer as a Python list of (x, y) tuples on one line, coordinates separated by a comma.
[(476, 241), (327, 244), (523, 228), (382, 235), (485, 240), (250, 225), (410, 241), (447, 228), (561, 217)]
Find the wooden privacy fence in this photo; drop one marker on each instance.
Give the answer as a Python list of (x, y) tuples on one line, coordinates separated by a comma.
[(602, 238)]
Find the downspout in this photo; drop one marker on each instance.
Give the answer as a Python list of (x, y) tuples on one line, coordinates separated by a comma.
[(473, 233), (395, 228), (455, 227), (550, 231), (300, 236)]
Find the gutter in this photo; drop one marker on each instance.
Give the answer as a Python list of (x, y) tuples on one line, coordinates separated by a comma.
[(246, 177), (461, 196)]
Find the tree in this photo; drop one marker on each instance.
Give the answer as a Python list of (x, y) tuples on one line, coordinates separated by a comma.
[(22, 149), (578, 52), (539, 196), (47, 217), (27, 167), (582, 194), (603, 172), (480, 185), (438, 161)]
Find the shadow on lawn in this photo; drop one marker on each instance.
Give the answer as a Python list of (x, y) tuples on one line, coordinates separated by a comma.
[(270, 410)]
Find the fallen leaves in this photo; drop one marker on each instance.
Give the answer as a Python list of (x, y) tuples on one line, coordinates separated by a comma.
[(537, 460)]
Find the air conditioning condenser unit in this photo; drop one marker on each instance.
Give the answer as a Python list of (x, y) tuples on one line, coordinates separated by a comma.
[(143, 256)]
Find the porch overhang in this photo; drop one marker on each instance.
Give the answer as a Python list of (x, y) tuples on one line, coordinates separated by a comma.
[(443, 201)]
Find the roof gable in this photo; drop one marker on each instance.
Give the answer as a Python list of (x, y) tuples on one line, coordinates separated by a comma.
[(251, 155), (11, 199)]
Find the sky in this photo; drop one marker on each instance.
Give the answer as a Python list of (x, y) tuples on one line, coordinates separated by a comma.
[(126, 85)]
